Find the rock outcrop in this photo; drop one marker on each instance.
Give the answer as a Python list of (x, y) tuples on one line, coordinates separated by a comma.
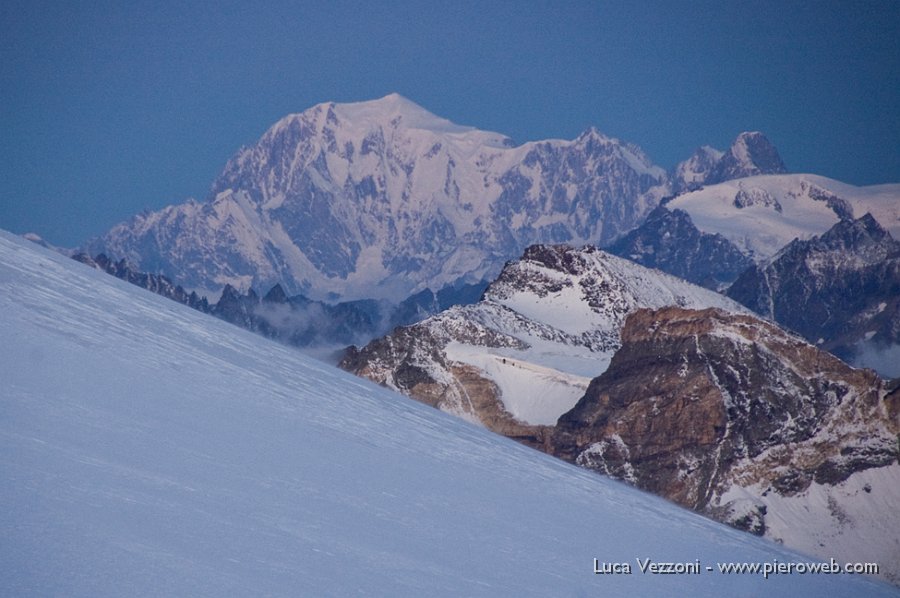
[(696, 401), (840, 290)]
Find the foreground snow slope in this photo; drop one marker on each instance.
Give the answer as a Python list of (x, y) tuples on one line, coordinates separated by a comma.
[(148, 449)]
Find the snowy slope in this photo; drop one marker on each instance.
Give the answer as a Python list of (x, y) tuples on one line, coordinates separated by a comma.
[(762, 214), (849, 520), (148, 449), (588, 308)]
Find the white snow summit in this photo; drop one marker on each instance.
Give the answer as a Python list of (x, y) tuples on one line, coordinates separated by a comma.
[(382, 199)]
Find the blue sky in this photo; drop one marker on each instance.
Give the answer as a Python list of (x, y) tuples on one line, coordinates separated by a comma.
[(108, 108)]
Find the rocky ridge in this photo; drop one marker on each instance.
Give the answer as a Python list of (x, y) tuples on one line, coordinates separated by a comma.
[(155, 283), (750, 154), (543, 328), (295, 320), (731, 416), (839, 290), (669, 241)]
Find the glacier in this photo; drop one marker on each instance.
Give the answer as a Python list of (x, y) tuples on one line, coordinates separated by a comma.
[(762, 214), (149, 449)]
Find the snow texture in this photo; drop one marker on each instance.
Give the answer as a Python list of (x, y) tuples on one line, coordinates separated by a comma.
[(850, 521), (151, 450), (762, 214)]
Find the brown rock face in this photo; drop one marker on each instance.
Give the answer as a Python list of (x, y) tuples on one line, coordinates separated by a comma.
[(411, 361), (696, 400)]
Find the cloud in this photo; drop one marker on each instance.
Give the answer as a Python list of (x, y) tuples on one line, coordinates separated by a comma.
[(884, 359)]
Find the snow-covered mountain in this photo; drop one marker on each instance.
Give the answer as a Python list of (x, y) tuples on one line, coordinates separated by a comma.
[(525, 353), (762, 214), (726, 212), (696, 170), (751, 154), (382, 199), (840, 290), (730, 415), (150, 449)]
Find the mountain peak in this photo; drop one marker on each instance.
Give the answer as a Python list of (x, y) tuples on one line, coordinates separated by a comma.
[(382, 199), (870, 226), (593, 133), (395, 97), (856, 235), (396, 110), (751, 154), (750, 142), (389, 112), (694, 172), (749, 136)]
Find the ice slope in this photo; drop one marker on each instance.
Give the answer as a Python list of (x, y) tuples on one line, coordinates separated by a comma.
[(148, 449), (775, 209)]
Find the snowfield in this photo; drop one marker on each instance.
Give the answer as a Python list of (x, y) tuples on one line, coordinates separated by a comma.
[(762, 214), (148, 449), (852, 518)]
